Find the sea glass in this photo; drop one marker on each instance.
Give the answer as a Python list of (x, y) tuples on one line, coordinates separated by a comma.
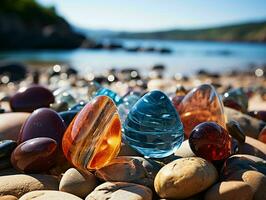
[(94, 136), (35, 155), (43, 122), (238, 96), (262, 135), (200, 105), (107, 92), (210, 141), (128, 103), (153, 127), (27, 99)]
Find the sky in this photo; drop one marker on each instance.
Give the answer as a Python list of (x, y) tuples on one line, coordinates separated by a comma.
[(149, 15)]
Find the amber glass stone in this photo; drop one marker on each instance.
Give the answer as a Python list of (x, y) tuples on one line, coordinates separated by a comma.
[(262, 135), (210, 141), (35, 155), (31, 98), (176, 100), (200, 105), (93, 138)]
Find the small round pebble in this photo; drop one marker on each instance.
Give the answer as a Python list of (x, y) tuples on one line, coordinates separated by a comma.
[(120, 191), (8, 197), (77, 183), (229, 190), (184, 178), (48, 195)]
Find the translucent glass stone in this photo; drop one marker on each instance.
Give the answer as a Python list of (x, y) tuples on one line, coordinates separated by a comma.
[(210, 141), (93, 138), (107, 92), (153, 126), (262, 135), (201, 104)]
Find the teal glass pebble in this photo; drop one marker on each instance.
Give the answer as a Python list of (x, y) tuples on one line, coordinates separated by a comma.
[(153, 126), (128, 102), (107, 92), (78, 106)]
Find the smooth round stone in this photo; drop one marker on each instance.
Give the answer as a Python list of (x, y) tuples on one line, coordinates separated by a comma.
[(120, 190), (10, 131), (235, 131), (77, 183), (93, 138), (238, 96), (47, 194), (43, 122), (111, 94), (184, 178), (35, 155), (237, 163), (229, 190), (31, 98), (210, 141), (131, 169), (262, 135), (8, 197), (68, 116), (250, 126), (153, 127), (259, 114), (202, 104), (255, 179), (253, 147), (230, 103), (6, 148), (19, 184)]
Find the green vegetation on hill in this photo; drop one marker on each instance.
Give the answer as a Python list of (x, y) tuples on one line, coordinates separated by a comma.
[(29, 10), (250, 32)]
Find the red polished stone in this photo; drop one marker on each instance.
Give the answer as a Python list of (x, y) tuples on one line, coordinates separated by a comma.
[(43, 122), (260, 114), (202, 104), (31, 98), (35, 155), (210, 141), (262, 135)]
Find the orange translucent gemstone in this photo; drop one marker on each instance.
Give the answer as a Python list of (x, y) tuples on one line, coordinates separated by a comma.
[(202, 104), (262, 135), (93, 138)]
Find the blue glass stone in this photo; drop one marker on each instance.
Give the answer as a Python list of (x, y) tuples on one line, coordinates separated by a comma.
[(107, 92), (128, 102), (68, 116), (153, 126)]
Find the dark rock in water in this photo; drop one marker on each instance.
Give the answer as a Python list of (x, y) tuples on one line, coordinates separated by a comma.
[(158, 67), (31, 98), (14, 71), (164, 50)]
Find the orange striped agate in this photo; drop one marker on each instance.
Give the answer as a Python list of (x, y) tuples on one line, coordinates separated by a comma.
[(93, 138)]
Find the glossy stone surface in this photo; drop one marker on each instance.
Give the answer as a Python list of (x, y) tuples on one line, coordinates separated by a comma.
[(235, 131), (35, 155), (153, 127), (238, 96), (6, 147), (31, 98), (210, 141), (107, 92), (94, 137), (128, 103), (68, 116), (262, 135), (200, 105), (43, 122), (260, 114)]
